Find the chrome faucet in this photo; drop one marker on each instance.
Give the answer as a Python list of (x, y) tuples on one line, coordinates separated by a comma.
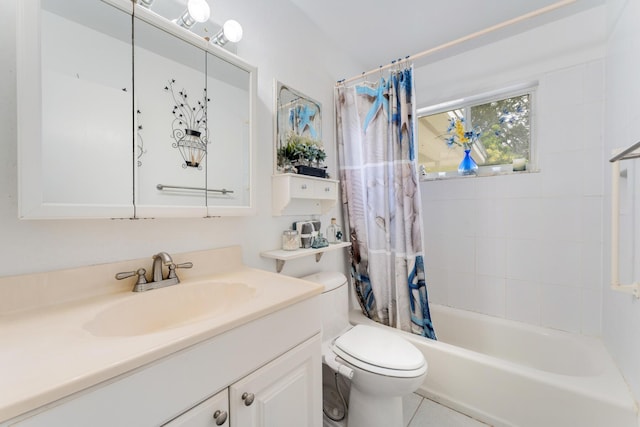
[(159, 281)]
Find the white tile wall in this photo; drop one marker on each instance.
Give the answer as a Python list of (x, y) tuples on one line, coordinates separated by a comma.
[(522, 301), (560, 307), (524, 259), (591, 318), (490, 295), (529, 247), (491, 256)]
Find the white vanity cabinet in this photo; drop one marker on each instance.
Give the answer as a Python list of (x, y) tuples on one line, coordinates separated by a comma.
[(300, 194), (280, 394), (274, 362)]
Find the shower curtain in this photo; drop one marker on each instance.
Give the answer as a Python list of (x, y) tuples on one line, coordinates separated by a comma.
[(378, 174)]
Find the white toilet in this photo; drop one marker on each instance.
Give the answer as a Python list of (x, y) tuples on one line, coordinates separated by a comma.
[(382, 366)]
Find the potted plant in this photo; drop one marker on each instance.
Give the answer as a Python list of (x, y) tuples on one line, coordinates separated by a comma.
[(303, 154)]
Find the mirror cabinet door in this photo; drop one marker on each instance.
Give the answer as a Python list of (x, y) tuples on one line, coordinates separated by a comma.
[(75, 142), (229, 118), (172, 134)]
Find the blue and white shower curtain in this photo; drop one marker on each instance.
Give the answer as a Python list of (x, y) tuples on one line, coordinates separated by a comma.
[(380, 193)]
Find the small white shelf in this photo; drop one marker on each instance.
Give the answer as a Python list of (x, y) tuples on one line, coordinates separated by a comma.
[(281, 256), (293, 194)]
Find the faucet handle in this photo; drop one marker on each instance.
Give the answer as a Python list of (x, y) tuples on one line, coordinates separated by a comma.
[(172, 269), (141, 272)]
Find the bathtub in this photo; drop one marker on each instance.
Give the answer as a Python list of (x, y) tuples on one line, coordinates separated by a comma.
[(507, 373)]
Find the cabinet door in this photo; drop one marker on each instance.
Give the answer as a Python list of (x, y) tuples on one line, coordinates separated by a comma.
[(75, 128), (284, 393), (171, 124), (210, 413), (229, 119)]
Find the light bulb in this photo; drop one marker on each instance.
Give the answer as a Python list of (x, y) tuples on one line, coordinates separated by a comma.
[(199, 10), (232, 30)]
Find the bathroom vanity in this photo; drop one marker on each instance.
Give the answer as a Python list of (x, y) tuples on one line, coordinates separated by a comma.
[(240, 348)]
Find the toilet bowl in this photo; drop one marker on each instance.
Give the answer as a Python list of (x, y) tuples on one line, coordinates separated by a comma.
[(382, 366)]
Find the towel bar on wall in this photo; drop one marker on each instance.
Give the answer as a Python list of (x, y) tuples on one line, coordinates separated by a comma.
[(618, 156)]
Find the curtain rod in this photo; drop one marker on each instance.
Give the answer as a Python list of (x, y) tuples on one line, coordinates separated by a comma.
[(463, 39)]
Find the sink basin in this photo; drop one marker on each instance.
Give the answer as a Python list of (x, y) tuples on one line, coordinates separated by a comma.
[(170, 307)]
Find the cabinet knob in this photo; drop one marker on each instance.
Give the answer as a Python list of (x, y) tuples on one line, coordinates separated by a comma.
[(327, 189), (248, 398), (220, 417), (303, 186)]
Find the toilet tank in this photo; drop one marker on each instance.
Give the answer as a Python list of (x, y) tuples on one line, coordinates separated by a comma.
[(335, 302)]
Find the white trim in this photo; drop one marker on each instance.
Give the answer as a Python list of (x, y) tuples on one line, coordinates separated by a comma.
[(483, 171), (481, 98)]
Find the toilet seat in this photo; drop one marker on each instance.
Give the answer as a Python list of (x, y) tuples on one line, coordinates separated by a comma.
[(376, 350)]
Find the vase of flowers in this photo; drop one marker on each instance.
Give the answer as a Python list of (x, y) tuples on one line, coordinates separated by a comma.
[(458, 135), (467, 166)]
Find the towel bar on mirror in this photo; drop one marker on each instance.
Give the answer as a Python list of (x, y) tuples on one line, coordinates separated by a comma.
[(177, 187)]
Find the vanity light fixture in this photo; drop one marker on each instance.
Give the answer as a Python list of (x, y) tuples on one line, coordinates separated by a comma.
[(197, 11), (146, 3), (231, 31)]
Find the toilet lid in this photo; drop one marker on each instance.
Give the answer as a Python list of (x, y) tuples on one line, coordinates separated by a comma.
[(380, 348)]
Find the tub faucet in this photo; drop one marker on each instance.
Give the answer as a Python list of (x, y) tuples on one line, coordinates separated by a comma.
[(158, 281)]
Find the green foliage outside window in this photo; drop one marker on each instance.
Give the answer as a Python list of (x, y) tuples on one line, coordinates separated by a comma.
[(505, 129)]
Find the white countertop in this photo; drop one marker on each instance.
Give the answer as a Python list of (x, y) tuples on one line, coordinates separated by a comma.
[(46, 353)]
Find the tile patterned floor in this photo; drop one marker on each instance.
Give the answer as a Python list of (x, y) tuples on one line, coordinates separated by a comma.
[(421, 412)]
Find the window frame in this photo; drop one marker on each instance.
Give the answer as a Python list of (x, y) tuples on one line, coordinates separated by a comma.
[(465, 104)]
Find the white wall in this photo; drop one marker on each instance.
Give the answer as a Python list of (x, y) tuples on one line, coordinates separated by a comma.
[(286, 47), (526, 247), (621, 313)]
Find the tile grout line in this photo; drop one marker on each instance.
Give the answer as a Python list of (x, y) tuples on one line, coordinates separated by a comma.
[(415, 411)]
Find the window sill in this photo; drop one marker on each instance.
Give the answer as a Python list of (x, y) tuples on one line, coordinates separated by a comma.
[(483, 171)]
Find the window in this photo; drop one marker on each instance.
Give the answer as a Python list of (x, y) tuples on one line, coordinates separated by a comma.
[(502, 122)]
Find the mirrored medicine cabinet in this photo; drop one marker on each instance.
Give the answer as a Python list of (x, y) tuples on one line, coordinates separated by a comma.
[(123, 114)]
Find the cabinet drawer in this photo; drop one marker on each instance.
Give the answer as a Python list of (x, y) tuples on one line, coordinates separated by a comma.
[(210, 413), (325, 190), (302, 188)]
